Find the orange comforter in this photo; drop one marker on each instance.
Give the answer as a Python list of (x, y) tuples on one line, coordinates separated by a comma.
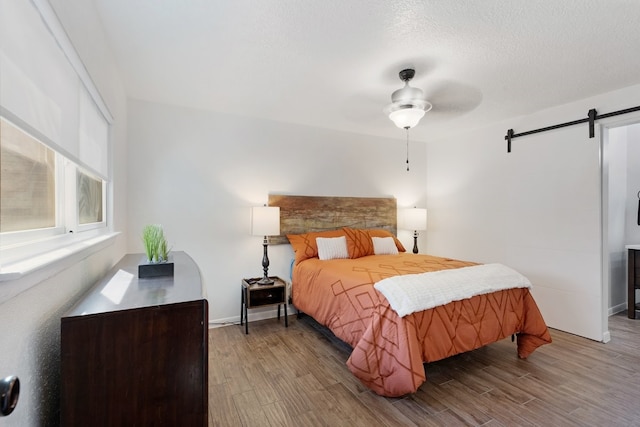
[(389, 351)]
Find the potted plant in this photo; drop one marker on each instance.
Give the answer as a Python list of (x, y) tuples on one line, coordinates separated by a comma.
[(157, 252)]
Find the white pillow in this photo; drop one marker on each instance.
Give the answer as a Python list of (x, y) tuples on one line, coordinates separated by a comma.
[(384, 246), (332, 247)]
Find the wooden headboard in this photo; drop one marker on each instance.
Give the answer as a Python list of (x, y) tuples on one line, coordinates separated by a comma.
[(302, 214)]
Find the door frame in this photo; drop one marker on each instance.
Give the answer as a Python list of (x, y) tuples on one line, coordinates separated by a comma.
[(602, 134)]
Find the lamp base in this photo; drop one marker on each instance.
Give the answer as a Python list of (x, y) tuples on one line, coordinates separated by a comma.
[(265, 265), (265, 281)]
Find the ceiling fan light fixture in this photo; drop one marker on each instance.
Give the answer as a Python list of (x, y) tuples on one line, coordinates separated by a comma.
[(407, 118)]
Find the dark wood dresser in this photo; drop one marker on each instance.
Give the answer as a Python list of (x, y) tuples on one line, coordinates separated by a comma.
[(633, 279), (134, 352)]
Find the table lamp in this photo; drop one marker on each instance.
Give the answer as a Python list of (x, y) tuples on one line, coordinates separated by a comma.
[(265, 221), (415, 219)]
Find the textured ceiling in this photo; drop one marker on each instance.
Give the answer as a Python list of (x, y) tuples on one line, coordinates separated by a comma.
[(334, 63)]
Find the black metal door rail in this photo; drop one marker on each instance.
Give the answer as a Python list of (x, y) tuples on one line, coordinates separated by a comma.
[(591, 118)]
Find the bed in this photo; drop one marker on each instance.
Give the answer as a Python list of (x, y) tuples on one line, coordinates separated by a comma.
[(389, 347)]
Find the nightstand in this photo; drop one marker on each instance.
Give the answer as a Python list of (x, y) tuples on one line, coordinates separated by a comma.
[(633, 279), (254, 295)]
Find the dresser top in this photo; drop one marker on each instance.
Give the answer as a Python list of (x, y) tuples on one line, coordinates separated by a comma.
[(636, 247), (121, 289)]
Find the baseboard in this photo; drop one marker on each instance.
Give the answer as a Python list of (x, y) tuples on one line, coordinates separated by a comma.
[(254, 315), (617, 309)]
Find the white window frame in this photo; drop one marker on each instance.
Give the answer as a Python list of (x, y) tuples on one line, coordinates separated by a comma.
[(72, 214), (66, 202), (18, 245)]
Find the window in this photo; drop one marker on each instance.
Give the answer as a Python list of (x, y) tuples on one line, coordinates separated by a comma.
[(43, 193), (27, 181), (90, 198), (54, 150), (54, 133)]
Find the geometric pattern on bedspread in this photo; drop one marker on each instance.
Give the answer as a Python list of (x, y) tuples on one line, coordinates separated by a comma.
[(388, 350)]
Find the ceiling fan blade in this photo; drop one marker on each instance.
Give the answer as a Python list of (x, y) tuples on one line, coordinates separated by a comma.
[(452, 98)]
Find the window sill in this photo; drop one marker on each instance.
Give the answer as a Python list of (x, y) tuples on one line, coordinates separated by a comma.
[(20, 275)]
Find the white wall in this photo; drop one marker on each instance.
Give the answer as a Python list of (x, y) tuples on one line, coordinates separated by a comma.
[(536, 209), (30, 338), (198, 174)]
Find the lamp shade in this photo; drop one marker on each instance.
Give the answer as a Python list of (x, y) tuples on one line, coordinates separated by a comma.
[(414, 219), (265, 221), (406, 118)]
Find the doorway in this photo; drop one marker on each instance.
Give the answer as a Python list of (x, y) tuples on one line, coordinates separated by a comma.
[(620, 192)]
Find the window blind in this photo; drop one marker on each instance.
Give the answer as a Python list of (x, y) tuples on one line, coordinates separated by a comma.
[(40, 87)]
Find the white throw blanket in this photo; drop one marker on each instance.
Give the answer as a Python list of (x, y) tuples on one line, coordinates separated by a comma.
[(415, 292)]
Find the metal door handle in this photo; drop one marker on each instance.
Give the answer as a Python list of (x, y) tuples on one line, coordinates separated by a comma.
[(9, 392)]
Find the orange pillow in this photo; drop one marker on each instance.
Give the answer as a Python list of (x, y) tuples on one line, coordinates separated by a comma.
[(359, 242), (305, 246), (379, 232)]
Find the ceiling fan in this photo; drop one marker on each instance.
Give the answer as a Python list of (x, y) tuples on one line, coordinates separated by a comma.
[(408, 104), (444, 98)]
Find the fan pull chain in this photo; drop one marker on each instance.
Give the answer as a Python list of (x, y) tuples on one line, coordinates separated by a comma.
[(407, 129)]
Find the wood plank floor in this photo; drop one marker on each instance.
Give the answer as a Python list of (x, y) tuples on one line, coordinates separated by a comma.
[(297, 376)]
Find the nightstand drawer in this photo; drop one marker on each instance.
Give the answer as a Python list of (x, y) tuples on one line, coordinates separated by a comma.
[(269, 296)]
